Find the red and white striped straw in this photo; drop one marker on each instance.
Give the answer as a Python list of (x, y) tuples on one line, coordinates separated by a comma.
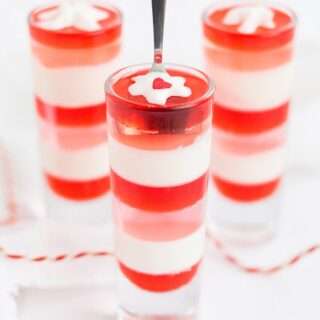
[(233, 260), (57, 258)]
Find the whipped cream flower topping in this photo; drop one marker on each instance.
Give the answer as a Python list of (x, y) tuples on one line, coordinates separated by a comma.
[(250, 18), (158, 87), (79, 14)]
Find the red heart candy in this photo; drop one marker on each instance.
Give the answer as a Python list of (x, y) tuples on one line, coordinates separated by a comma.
[(159, 83)]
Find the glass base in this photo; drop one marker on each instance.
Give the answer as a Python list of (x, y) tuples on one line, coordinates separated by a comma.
[(123, 315), (244, 222), (136, 303), (93, 212)]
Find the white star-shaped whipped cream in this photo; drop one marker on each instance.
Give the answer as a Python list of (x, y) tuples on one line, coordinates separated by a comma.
[(250, 18), (158, 87), (79, 14)]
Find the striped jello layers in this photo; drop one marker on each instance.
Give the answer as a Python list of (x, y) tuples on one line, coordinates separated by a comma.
[(248, 51), (159, 157), (248, 167), (74, 160), (74, 46)]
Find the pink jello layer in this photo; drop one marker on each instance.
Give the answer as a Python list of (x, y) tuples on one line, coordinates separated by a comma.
[(78, 190), (53, 57), (159, 283), (159, 199), (240, 60), (249, 144), (246, 192), (150, 226), (72, 138)]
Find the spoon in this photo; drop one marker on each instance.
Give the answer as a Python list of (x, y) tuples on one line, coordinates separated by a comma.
[(158, 12)]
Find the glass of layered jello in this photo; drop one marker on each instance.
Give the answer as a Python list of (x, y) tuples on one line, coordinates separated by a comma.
[(159, 127), (248, 51), (75, 47)]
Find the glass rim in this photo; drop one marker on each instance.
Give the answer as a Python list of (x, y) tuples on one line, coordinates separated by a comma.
[(118, 21), (188, 104), (224, 4)]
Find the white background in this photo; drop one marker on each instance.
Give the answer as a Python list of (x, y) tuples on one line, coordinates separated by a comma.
[(228, 293)]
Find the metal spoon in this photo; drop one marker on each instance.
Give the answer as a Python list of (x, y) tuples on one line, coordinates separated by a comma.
[(158, 12)]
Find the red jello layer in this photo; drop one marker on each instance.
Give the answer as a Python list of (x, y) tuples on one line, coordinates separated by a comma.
[(159, 283), (73, 38), (79, 190), (175, 117), (263, 39), (243, 192), (158, 199), (53, 57), (247, 122), (82, 116)]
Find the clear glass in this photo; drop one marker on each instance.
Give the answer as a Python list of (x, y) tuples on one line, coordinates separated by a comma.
[(159, 157), (70, 67), (8, 206), (254, 76)]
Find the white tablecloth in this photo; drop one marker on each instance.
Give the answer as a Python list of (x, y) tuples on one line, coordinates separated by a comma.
[(227, 293)]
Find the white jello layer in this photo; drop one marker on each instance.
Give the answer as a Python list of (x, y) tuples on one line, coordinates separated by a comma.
[(252, 90), (163, 257), (161, 168), (255, 168), (71, 87), (87, 164)]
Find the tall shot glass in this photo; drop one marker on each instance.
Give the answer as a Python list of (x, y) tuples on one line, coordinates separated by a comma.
[(249, 53), (159, 157), (75, 47)]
